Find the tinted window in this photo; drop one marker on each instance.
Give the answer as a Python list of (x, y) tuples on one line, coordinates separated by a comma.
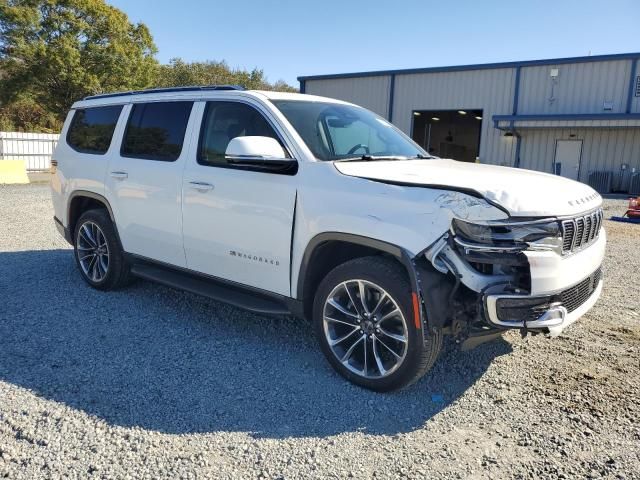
[(224, 121), (91, 129), (156, 130)]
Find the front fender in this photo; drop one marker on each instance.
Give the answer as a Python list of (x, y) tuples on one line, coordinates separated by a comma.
[(402, 255)]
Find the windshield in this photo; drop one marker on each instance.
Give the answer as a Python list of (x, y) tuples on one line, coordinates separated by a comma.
[(341, 132)]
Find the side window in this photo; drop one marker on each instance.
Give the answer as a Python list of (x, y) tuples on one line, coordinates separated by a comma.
[(91, 129), (155, 131), (224, 121)]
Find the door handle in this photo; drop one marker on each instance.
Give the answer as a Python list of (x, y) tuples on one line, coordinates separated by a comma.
[(119, 175), (201, 186)]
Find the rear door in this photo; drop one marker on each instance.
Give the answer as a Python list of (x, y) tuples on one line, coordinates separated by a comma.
[(144, 179), (237, 221)]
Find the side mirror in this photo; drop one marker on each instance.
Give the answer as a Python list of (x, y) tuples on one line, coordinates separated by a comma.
[(256, 151)]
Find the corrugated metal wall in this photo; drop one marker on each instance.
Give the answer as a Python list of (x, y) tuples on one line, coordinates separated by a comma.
[(369, 92), (578, 88), (489, 90), (602, 149)]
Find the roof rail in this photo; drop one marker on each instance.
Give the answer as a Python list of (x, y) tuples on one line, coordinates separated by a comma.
[(166, 90)]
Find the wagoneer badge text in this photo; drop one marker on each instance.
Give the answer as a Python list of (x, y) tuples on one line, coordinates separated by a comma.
[(580, 201), (255, 258)]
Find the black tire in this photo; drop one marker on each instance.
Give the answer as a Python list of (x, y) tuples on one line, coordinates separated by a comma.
[(422, 347), (118, 272)]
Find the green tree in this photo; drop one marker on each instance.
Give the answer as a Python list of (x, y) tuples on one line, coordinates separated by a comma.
[(26, 115), (54, 52), (179, 73)]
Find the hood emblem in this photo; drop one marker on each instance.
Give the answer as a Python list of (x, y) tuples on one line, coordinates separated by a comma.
[(583, 200)]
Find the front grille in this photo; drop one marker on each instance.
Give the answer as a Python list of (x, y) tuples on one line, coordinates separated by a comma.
[(575, 296), (579, 232), (528, 309), (568, 231)]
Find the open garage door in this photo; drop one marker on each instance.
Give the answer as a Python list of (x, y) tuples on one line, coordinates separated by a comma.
[(449, 133)]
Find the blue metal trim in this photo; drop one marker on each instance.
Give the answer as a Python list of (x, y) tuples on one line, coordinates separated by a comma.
[(481, 66), (303, 86), (516, 163), (392, 88), (516, 91), (165, 90), (632, 78), (568, 116)]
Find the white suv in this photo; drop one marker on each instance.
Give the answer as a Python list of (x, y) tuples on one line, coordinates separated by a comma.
[(294, 204)]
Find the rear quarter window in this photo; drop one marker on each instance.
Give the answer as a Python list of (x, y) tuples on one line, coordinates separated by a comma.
[(92, 129), (156, 131)]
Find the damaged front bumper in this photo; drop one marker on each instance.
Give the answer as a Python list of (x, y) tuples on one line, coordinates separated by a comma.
[(552, 313), (532, 290)]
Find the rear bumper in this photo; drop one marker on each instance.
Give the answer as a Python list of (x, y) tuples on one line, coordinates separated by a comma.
[(551, 313), (63, 230)]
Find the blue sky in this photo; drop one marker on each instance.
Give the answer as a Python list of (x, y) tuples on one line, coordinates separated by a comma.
[(287, 39)]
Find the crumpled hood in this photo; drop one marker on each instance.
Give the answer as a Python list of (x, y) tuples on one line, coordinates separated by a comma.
[(523, 193)]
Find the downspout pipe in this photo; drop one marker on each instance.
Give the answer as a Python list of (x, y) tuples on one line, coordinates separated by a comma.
[(516, 99), (512, 129), (516, 134)]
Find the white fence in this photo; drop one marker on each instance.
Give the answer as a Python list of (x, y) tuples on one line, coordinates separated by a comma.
[(35, 149)]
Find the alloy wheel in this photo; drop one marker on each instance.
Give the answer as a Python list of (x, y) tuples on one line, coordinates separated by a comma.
[(93, 251), (365, 328)]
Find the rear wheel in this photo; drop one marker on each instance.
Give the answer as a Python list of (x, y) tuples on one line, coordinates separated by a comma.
[(98, 253), (364, 320)]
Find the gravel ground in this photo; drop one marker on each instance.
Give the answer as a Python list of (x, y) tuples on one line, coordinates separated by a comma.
[(153, 383)]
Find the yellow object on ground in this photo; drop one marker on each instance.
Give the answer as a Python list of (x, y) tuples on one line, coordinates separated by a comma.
[(13, 171)]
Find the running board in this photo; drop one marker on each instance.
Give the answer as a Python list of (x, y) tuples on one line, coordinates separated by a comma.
[(208, 287)]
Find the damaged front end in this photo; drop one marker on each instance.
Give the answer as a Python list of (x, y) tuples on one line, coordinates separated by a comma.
[(476, 279)]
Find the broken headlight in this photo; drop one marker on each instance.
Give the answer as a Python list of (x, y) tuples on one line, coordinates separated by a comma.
[(545, 234)]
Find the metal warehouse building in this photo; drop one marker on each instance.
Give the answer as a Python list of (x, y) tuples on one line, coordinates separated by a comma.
[(576, 117)]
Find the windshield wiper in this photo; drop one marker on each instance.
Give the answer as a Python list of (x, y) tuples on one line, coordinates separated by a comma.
[(372, 158)]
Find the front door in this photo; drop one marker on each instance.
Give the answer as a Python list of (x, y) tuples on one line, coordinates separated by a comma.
[(567, 160), (144, 180), (237, 222)]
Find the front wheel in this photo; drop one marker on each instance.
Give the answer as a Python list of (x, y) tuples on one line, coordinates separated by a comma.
[(364, 319)]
